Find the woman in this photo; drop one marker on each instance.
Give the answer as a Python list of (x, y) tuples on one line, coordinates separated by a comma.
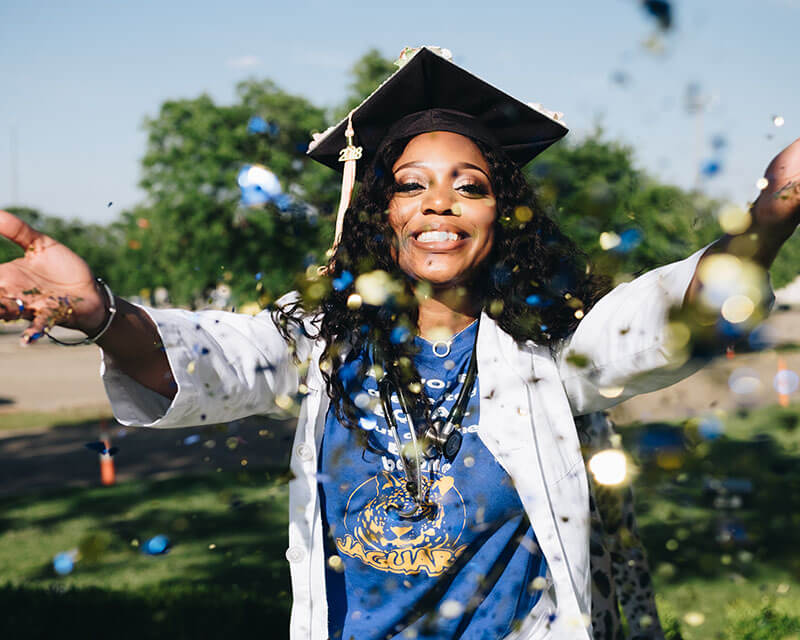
[(439, 489)]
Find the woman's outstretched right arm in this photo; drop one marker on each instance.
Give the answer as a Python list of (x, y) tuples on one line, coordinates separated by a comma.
[(51, 285)]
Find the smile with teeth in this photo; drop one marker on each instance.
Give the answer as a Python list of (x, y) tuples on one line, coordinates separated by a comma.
[(437, 236)]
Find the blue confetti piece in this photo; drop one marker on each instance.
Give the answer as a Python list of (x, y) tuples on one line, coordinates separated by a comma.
[(711, 168), (533, 300), (257, 124), (190, 440), (64, 562), (258, 276), (628, 240), (283, 201), (710, 428), (156, 546), (100, 447), (399, 335), (343, 281)]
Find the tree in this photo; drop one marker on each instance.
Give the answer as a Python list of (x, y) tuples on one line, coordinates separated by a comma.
[(192, 230), (591, 187)]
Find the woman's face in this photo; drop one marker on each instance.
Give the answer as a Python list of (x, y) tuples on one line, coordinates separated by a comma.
[(443, 210)]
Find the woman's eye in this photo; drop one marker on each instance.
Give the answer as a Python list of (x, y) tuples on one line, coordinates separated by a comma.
[(473, 189), (406, 187)]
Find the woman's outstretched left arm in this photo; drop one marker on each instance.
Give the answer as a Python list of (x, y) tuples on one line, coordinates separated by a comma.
[(774, 217)]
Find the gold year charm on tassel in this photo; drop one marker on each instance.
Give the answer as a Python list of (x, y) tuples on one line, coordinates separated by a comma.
[(350, 152)]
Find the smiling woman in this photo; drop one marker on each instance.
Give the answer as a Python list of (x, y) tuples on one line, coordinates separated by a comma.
[(436, 364)]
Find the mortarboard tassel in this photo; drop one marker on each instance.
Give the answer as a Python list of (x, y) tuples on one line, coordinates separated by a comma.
[(349, 155)]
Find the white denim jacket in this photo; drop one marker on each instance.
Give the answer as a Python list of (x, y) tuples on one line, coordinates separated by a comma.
[(229, 366)]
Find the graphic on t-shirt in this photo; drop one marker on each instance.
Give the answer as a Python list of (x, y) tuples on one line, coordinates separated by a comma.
[(380, 537)]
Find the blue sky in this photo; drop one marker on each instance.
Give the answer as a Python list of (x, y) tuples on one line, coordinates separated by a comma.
[(78, 78)]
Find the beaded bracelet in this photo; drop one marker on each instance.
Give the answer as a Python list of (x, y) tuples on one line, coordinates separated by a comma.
[(111, 311)]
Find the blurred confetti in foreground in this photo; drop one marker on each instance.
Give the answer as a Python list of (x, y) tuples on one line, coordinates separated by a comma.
[(259, 186), (64, 562), (661, 11), (257, 125), (156, 546), (785, 383), (609, 467)]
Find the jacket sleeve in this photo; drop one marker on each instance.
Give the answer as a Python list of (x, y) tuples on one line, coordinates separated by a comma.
[(621, 347), (226, 366)]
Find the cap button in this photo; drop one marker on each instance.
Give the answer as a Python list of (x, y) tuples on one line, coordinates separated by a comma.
[(295, 554)]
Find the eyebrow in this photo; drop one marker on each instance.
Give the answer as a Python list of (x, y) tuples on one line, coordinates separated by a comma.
[(458, 165)]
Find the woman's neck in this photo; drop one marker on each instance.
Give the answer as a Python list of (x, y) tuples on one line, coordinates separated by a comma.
[(444, 313)]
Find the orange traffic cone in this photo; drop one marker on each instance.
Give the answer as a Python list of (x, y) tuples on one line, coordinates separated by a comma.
[(783, 398), (730, 353), (107, 473)]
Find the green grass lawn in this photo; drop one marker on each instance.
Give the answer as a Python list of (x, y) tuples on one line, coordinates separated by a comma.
[(225, 574)]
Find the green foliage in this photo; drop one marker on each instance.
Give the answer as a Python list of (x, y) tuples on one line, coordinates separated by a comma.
[(367, 73), (592, 186), (768, 624), (191, 230)]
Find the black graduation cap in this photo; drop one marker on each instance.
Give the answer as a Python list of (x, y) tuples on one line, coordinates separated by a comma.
[(430, 93)]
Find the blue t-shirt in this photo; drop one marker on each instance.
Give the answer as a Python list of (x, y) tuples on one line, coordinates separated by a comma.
[(461, 569)]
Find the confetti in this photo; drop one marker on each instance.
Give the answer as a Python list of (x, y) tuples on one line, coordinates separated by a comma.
[(451, 609), (258, 185), (762, 183), (778, 121), (156, 546), (744, 381), (786, 382), (609, 240), (64, 562), (100, 447), (190, 440), (609, 467), (694, 618)]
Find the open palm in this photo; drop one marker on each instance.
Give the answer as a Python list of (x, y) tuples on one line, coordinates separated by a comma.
[(49, 285)]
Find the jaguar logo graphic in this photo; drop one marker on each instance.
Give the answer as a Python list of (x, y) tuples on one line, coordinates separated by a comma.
[(380, 537)]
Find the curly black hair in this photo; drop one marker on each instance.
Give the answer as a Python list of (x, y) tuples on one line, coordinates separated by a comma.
[(535, 283)]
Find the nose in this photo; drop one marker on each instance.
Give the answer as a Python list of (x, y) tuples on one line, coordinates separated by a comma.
[(438, 199)]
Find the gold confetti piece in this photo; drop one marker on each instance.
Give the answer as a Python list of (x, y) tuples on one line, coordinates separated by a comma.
[(244, 462), (451, 609), (762, 183), (190, 367), (778, 121), (609, 467), (284, 402), (523, 214), (212, 546), (579, 314), (335, 563), (737, 309), (538, 584), (733, 219), (694, 618), (611, 392), (354, 301), (782, 588), (609, 240), (469, 461)]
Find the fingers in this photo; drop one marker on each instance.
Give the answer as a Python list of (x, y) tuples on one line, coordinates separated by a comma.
[(35, 330), (17, 231)]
